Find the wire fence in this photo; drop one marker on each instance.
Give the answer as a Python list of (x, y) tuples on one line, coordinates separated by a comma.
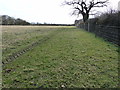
[(109, 33)]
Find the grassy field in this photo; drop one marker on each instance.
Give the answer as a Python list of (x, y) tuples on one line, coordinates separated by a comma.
[(69, 57)]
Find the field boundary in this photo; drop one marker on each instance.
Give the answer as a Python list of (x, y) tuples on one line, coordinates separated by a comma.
[(26, 49), (109, 33)]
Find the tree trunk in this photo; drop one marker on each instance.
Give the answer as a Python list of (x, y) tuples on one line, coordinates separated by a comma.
[(85, 20), (85, 17)]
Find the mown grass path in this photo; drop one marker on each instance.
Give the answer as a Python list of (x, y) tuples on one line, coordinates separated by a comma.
[(70, 58)]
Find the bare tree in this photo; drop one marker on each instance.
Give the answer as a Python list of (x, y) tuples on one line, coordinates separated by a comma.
[(83, 7)]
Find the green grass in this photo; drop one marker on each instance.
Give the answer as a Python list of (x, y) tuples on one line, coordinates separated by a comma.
[(16, 38), (70, 58)]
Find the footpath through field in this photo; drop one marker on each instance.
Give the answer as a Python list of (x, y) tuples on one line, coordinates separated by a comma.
[(70, 58)]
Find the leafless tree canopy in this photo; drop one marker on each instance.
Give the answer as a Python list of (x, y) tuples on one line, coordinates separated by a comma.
[(84, 7)]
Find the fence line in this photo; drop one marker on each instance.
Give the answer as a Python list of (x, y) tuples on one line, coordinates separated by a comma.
[(109, 33)]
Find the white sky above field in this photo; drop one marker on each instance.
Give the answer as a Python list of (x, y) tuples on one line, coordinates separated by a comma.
[(49, 11)]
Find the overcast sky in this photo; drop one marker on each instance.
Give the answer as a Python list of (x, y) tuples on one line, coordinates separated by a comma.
[(49, 11)]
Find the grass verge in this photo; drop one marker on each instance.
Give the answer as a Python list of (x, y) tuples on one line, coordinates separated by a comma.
[(71, 58)]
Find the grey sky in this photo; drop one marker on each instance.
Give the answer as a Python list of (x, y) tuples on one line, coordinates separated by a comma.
[(49, 11)]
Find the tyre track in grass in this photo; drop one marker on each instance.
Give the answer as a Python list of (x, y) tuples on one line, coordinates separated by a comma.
[(28, 48)]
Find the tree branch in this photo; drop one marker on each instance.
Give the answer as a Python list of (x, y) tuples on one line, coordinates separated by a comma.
[(101, 2), (81, 7)]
